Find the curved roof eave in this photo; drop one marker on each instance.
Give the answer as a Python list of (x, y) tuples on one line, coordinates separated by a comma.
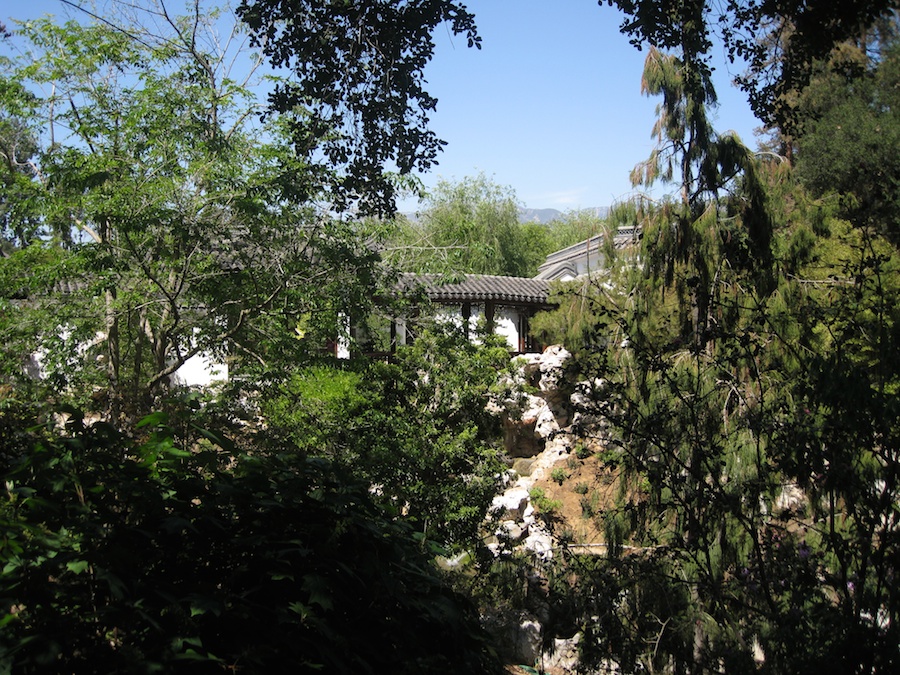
[(480, 288)]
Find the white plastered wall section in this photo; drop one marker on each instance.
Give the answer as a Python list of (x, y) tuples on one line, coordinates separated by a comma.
[(506, 321), (201, 370)]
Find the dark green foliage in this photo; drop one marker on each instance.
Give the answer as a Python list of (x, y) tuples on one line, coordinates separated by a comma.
[(359, 78), (712, 544), (630, 602), (750, 370), (166, 221), (851, 137), (749, 358), (780, 41), (574, 322), (124, 556)]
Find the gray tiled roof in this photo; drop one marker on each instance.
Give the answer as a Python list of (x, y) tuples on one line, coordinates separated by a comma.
[(586, 256), (480, 287)]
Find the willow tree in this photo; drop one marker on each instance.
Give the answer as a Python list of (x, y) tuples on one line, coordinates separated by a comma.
[(780, 42), (469, 226), (681, 412)]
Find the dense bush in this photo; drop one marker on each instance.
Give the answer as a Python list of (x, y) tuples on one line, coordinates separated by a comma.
[(127, 556), (417, 428)]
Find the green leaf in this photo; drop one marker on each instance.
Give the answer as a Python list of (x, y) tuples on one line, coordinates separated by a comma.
[(319, 591), (155, 419), (301, 609), (219, 439), (77, 566)]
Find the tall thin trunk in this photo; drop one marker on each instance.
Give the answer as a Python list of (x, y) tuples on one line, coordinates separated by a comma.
[(137, 330), (111, 323), (112, 338)]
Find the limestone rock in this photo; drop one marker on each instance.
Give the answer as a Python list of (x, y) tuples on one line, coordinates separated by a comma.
[(792, 498), (553, 383), (533, 406), (552, 367), (539, 542), (528, 641), (522, 466), (512, 531), (517, 636), (531, 367), (589, 396), (546, 424), (563, 658), (520, 439), (528, 420), (511, 504)]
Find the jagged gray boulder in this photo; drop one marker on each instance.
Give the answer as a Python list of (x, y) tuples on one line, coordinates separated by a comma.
[(518, 636), (511, 504)]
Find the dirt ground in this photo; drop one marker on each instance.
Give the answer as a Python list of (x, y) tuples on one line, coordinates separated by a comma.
[(588, 487), (583, 489)]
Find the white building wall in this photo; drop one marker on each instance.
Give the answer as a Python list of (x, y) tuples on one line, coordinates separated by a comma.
[(452, 314), (201, 371), (506, 321)]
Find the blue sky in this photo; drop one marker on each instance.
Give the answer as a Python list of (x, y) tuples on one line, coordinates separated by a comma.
[(550, 106)]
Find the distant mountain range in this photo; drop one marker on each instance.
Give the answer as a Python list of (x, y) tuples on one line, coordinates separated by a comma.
[(545, 216)]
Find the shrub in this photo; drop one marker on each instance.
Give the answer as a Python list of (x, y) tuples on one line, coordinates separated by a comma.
[(125, 556), (542, 502), (590, 506), (417, 428)]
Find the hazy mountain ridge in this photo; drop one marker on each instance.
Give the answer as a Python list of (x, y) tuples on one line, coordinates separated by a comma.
[(549, 215), (543, 216)]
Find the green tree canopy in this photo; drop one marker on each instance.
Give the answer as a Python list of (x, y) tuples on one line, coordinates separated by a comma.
[(470, 226), (358, 76), (174, 223), (851, 132), (746, 358), (418, 427), (780, 41)]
